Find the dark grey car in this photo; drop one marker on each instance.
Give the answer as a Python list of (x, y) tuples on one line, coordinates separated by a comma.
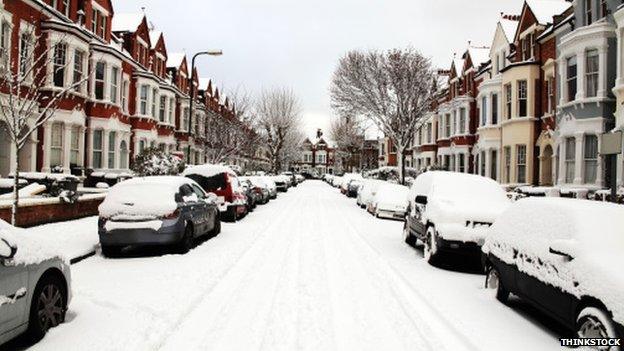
[(155, 211)]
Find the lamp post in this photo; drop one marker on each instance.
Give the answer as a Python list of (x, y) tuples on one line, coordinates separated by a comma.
[(190, 125)]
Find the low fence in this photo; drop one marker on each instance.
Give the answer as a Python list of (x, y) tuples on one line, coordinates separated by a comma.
[(37, 211)]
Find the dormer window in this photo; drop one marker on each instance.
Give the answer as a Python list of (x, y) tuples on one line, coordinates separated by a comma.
[(98, 23), (66, 8), (588, 12)]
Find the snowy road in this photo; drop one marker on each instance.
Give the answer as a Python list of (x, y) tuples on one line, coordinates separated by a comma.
[(309, 271)]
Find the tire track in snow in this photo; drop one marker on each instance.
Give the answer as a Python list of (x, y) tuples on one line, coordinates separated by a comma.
[(463, 342), (223, 298), (258, 235)]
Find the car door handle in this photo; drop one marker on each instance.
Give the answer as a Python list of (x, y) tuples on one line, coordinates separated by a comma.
[(11, 299)]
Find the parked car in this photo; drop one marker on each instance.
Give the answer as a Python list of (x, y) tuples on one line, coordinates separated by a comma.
[(153, 211), (300, 178), (250, 194), (222, 181), (564, 256), (281, 182), (292, 179), (367, 192), (328, 178), (260, 188), (35, 286), (452, 211), (353, 187), (346, 179), (271, 186), (390, 201), (336, 181)]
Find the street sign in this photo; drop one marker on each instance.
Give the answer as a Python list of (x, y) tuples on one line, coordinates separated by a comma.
[(611, 143)]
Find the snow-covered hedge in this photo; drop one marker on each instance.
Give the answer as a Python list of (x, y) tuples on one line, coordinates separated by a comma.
[(155, 162)]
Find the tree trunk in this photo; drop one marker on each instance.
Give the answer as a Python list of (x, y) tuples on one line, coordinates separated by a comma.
[(401, 161), (15, 206)]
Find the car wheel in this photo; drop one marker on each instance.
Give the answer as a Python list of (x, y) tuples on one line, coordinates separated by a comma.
[(409, 238), (495, 285), (48, 306), (111, 251), (430, 250), (186, 243), (595, 323)]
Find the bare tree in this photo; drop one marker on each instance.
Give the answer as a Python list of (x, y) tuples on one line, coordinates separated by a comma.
[(392, 89), (279, 123), (231, 133), (348, 134), (26, 99)]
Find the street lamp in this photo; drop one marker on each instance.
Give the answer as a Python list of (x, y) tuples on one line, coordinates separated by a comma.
[(202, 53)]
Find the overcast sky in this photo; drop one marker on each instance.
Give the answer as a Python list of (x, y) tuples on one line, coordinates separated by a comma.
[(269, 43)]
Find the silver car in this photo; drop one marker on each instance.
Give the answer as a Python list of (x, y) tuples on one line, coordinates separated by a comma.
[(35, 288)]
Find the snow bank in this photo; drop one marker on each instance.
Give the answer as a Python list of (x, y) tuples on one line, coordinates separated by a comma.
[(29, 190), (7, 183), (148, 196), (591, 232)]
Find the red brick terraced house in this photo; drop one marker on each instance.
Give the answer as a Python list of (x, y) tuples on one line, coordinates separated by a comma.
[(317, 157), (136, 94), (457, 116)]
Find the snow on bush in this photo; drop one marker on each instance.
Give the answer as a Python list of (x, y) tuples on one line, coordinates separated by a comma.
[(591, 232), (155, 162), (143, 197)]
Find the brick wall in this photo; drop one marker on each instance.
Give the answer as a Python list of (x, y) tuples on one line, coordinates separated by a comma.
[(29, 216)]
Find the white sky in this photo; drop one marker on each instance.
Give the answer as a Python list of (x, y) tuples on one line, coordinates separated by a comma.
[(297, 44)]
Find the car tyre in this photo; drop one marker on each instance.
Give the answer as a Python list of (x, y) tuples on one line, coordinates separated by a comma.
[(494, 283), (430, 250), (48, 306), (216, 230), (594, 322), (186, 242), (409, 238)]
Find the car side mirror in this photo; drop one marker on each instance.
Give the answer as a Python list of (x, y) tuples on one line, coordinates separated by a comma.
[(421, 200), (564, 248), (7, 251)]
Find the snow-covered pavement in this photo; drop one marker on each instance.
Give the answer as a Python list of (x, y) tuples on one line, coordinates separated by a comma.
[(309, 271)]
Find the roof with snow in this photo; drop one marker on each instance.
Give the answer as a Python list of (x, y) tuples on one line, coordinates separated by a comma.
[(459, 66), (509, 28), (126, 22), (175, 59), (479, 55), (544, 10), (154, 36), (203, 83)]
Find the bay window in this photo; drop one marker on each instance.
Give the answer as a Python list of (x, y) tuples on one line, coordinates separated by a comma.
[(74, 146), (161, 110), (483, 111), (591, 73), (100, 72), (507, 151), (26, 52), (112, 138), (143, 99), (171, 109), (114, 88), (570, 158), (78, 69), (154, 101), (462, 120), (60, 58), (588, 12), (494, 109), (56, 145), (571, 77), (508, 100), (522, 98), (521, 163), (123, 155), (590, 162), (97, 148)]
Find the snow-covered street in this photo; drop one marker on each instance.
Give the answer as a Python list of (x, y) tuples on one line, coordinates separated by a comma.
[(309, 271)]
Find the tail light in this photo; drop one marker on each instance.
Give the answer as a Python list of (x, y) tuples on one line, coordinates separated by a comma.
[(175, 214)]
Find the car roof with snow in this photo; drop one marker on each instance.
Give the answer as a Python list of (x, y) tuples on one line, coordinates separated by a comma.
[(29, 249), (457, 185), (208, 170)]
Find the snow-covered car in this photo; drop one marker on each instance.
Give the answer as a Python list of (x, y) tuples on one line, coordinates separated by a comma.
[(300, 178), (328, 178), (354, 187), (346, 179), (222, 181), (282, 182), (367, 192), (154, 211), (271, 186), (452, 212), (563, 256), (390, 201), (336, 181), (292, 180), (35, 285), (260, 188)]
